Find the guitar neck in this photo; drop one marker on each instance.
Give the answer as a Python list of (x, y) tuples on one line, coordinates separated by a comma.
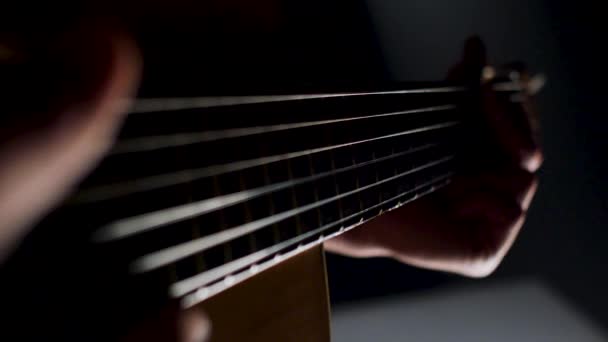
[(204, 192)]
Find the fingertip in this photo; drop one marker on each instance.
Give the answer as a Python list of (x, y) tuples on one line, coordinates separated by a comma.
[(532, 160), (512, 130)]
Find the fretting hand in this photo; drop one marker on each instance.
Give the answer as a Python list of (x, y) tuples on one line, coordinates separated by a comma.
[(469, 226)]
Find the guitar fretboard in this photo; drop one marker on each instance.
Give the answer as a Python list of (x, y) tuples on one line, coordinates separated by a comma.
[(202, 193)]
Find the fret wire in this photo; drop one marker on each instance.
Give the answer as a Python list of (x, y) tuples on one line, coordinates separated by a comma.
[(196, 233), (227, 249), (106, 192), (377, 176), (199, 259), (145, 222), (188, 285), (336, 185), (395, 166), (395, 169), (195, 228), (357, 182), (248, 216), (276, 234), (174, 104), (172, 272), (174, 253), (294, 200), (217, 191), (150, 143), (315, 189)]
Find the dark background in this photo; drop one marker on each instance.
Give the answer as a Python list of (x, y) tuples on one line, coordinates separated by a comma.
[(564, 240)]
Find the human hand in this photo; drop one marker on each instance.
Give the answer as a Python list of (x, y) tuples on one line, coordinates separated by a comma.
[(469, 226), (94, 72)]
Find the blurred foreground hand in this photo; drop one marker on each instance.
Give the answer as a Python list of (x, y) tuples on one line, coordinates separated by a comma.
[(41, 161)]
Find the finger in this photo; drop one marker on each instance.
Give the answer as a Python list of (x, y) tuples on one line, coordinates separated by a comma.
[(485, 226), (490, 223), (41, 165), (473, 60), (486, 206), (517, 184), (471, 242), (512, 130), (490, 238)]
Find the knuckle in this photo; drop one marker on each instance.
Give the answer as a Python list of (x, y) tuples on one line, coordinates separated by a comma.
[(483, 262), (488, 246), (482, 256)]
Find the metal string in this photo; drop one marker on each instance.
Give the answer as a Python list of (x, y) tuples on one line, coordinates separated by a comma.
[(145, 222), (173, 104), (188, 285), (119, 189), (171, 254), (150, 143)]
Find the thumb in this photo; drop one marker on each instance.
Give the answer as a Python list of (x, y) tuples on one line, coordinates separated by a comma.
[(474, 59)]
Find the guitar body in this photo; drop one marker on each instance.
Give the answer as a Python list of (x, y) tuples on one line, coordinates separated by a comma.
[(288, 302)]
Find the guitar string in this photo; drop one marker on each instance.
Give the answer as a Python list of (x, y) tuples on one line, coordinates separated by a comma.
[(106, 192), (168, 255), (151, 105), (213, 288), (174, 104), (174, 140), (187, 285), (126, 227)]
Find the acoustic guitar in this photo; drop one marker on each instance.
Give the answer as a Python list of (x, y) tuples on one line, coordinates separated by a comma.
[(223, 186)]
